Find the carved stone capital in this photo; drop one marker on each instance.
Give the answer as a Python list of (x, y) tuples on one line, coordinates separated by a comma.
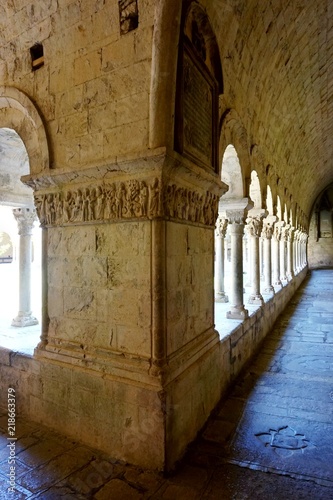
[(278, 230), (25, 218), (254, 225), (267, 230), (221, 227)]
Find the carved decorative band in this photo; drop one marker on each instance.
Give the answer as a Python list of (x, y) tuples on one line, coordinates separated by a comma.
[(126, 200)]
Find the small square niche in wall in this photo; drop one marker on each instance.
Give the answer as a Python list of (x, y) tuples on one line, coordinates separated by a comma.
[(37, 56), (128, 15)]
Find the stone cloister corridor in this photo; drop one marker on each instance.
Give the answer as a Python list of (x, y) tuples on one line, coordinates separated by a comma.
[(175, 157), (272, 435)]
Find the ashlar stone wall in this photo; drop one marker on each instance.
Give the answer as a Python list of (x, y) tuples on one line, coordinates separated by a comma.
[(93, 89)]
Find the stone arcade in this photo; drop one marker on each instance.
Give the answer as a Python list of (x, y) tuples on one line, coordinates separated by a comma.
[(156, 132)]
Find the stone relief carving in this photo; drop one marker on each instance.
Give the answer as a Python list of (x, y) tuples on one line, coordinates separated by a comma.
[(126, 200)]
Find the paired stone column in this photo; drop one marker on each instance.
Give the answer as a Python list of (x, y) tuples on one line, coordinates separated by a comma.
[(25, 218), (267, 233), (283, 243), (290, 252), (236, 211), (254, 228), (276, 255), (221, 228)]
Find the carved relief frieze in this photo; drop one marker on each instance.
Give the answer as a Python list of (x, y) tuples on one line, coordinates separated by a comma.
[(126, 200)]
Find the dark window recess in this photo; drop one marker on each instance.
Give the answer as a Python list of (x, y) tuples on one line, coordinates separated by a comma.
[(37, 56), (128, 15)]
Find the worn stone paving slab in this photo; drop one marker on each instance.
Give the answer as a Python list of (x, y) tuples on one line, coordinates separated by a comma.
[(56, 469), (293, 446)]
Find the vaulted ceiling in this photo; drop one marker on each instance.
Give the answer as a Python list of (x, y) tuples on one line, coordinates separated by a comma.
[(277, 60)]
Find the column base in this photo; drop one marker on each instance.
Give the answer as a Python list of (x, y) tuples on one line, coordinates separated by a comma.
[(237, 313), (221, 297), (278, 285), (24, 320), (256, 300), (269, 290)]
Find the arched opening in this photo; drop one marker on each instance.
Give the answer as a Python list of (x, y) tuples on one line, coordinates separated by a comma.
[(20, 293), (269, 201), (231, 175), (320, 247), (255, 192)]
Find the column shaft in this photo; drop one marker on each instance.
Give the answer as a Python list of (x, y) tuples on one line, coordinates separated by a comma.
[(25, 218)]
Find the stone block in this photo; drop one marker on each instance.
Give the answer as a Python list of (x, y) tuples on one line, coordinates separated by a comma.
[(79, 303), (129, 138), (79, 240), (119, 54), (133, 79), (87, 67), (69, 102), (132, 340), (177, 239), (102, 117), (91, 148), (55, 301), (132, 108)]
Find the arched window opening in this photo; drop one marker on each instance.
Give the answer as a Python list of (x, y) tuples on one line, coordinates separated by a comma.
[(20, 291), (269, 201), (255, 192), (231, 174)]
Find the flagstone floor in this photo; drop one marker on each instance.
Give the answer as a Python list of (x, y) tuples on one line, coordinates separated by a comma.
[(272, 437)]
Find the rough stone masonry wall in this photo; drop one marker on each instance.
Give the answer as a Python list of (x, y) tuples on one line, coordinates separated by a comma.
[(93, 88)]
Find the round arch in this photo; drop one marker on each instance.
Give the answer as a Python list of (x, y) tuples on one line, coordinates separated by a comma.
[(19, 113), (233, 133), (231, 173), (255, 190), (269, 201)]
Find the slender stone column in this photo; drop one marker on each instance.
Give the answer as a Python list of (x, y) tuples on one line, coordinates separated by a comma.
[(237, 310), (283, 242), (304, 238), (25, 218), (221, 227), (276, 255), (247, 259), (235, 211), (267, 233), (261, 257), (254, 228), (290, 253), (297, 266)]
